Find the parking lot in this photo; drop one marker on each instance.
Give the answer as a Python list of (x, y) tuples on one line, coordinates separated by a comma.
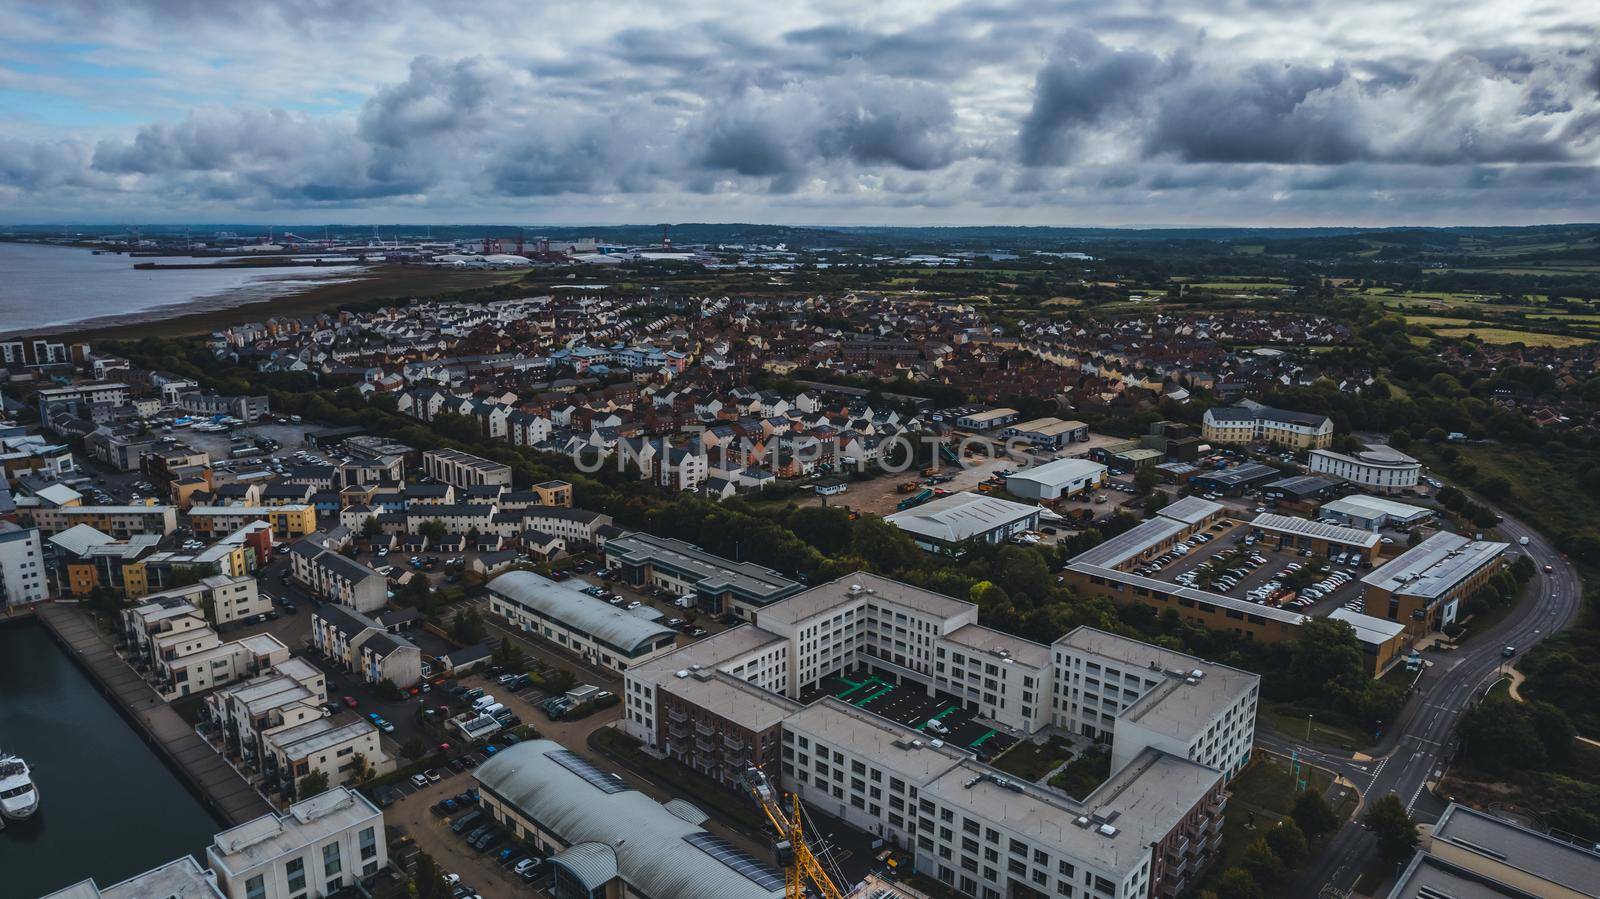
[(910, 705), (1223, 560)]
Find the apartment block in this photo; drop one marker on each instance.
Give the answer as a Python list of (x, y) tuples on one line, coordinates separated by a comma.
[(22, 573), (320, 846), (336, 578), (464, 469)]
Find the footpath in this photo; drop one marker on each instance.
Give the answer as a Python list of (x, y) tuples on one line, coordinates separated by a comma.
[(221, 787)]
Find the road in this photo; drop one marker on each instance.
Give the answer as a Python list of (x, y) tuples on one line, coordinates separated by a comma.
[(1419, 744)]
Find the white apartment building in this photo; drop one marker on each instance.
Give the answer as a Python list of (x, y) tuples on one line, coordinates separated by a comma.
[(336, 578), (322, 745), (292, 693), (1378, 467), (223, 598), (464, 469), (320, 846), (22, 571)]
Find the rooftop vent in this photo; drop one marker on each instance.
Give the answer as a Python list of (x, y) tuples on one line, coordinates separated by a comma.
[(1106, 830), (1081, 821), (681, 673)]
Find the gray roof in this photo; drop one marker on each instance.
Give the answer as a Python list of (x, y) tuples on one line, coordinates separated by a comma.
[(577, 610), (1190, 510), (1239, 474), (714, 573), (1173, 706), (1058, 473), (1305, 527), (873, 588), (1130, 543), (650, 843), (1363, 506), (954, 518), (593, 864), (1434, 566), (1517, 847), (308, 822), (1221, 601)]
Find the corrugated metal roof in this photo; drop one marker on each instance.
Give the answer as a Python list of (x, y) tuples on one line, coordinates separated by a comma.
[(577, 610), (647, 839), (593, 864)]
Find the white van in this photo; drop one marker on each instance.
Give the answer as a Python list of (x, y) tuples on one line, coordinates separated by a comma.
[(483, 702), (1522, 541), (492, 708)]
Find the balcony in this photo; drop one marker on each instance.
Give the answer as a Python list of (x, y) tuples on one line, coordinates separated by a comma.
[(734, 744), (677, 715), (704, 730), (704, 746)]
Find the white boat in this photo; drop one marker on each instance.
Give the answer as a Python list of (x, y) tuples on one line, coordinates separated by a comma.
[(19, 798)]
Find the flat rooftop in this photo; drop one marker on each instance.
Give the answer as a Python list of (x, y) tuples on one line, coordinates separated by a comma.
[(897, 748), (1112, 828), (1174, 705), (1434, 566), (1305, 527), (1200, 596), (708, 652), (1368, 629), (874, 589), (318, 734), (732, 698), (1061, 471), (1518, 847), (988, 640), (1190, 510), (308, 822)]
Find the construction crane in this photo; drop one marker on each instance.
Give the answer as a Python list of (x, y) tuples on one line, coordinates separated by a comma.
[(800, 865)]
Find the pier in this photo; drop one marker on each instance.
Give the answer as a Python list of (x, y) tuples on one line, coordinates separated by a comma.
[(228, 795)]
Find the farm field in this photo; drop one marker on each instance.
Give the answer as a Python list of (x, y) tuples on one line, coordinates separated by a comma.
[(1509, 336)]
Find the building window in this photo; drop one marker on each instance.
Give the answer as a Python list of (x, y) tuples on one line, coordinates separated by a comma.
[(255, 888), (330, 861), (296, 871), (369, 843)]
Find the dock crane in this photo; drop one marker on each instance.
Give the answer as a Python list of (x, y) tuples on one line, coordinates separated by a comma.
[(800, 865)]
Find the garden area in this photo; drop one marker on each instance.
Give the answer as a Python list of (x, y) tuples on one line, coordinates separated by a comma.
[(1032, 761)]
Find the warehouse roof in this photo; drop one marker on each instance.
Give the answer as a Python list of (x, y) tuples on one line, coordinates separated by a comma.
[(1190, 510), (1434, 566), (1059, 473), (954, 518), (1305, 527), (1239, 474), (653, 849), (1130, 543), (1362, 506), (577, 610), (1368, 629), (1517, 847), (713, 573)]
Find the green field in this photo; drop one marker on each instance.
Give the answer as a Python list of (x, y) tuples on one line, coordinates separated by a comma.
[(1509, 336)]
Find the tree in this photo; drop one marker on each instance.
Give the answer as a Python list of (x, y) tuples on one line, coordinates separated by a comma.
[(1326, 655), (433, 529), (370, 527), (311, 785), (1236, 883), (1396, 833), (1313, 814), (1263, 864), (1499, 737), (1288, 843), (885, 547), (509, 655), (467, 628), (412, 749)]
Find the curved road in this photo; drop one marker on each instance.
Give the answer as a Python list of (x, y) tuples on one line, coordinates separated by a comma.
[(1418, 744)]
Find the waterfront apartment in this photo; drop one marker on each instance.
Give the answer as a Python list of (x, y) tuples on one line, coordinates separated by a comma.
[(718, 585), (22, 573), (464, 469), (340, 750), (181, 878), (196, 661), (223, 599), (1178, 728), (322, 845), (593, 629), (364, 646), (294, 692), (1251, 422)]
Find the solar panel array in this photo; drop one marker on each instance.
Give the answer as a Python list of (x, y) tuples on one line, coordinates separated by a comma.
[(762, 875), (603, 781)]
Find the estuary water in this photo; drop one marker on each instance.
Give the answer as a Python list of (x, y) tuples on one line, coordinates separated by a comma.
[(44, 286)]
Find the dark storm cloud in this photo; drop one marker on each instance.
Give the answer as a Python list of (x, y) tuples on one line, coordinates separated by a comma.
[(1082, 84), (1061, 108), (1262, 113)]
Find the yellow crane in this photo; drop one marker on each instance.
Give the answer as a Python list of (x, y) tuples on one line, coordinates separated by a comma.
[(800, 865)]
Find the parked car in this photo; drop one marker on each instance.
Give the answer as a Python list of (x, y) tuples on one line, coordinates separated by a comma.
[(351, 701), (418, 781)]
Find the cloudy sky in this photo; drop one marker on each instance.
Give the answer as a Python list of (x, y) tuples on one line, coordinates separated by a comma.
[(1271, 112)]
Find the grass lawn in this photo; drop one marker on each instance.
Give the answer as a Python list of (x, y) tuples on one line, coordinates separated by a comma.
[(1268, 785), (1031, 761), (1083, 774), (1289, 722), (1508, 336)]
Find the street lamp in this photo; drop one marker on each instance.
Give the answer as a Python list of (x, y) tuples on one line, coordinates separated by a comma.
[(1308, 727)]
